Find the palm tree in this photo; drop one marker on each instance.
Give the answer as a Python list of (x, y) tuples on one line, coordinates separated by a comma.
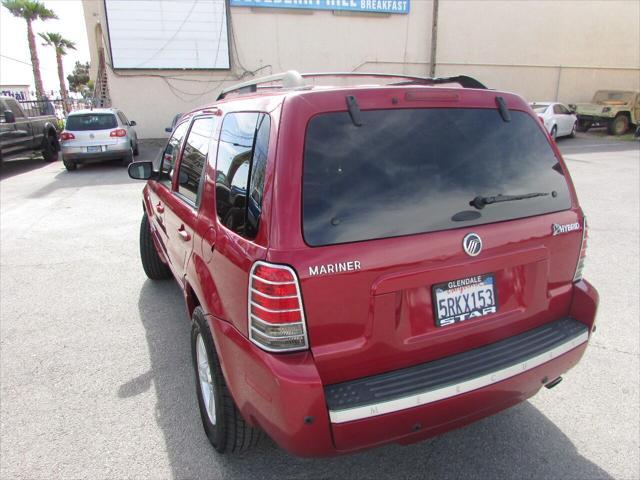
[(61, 45), (31, 10)]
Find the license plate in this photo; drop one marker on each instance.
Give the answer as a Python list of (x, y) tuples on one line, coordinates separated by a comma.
[(94, 149), (463, 299)]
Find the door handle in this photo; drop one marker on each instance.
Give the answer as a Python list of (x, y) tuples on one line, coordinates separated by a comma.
[(184, 235), (159, 208)]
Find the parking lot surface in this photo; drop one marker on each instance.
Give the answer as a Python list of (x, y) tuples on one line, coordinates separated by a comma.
[(95, 368)]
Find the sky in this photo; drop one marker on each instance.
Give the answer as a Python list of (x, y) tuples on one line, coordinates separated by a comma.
[(15, 61)]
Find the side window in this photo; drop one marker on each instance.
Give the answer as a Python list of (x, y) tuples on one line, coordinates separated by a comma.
[(170, 154), (2, 108), (240, 169), (258, 167), (557, 109), (564, 110), (13, 106), (123, 119), (194, 158)]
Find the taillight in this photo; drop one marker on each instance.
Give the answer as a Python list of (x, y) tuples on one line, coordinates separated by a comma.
[(583, 251), (120, 132), (276, 314), (541, 120), (67, 136)]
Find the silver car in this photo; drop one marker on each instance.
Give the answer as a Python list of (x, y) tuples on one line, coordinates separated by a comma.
[(98, 135)]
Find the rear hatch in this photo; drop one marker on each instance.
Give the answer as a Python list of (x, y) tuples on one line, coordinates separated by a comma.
[(385, 210), (91, 129)]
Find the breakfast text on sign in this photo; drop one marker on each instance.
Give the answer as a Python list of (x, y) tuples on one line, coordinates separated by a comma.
[(378, 6)]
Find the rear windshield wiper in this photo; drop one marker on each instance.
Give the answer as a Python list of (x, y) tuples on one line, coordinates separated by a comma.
[(480, 202)]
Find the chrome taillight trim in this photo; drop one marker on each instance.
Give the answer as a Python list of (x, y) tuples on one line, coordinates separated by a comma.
[(580, 262), (271, 296), (270, 282), (302, 322), (269, 310)]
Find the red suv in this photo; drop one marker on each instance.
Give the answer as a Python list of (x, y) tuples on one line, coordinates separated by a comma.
[(367, 264)]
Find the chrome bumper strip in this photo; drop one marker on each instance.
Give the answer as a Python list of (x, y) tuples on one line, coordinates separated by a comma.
[(389, 406)]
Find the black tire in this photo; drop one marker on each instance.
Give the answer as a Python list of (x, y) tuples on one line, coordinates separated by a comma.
[(152, 264), (619, 125), (573, 130), (136, 150), (70, 165), (554, 132), (230, 434), (583, 125), (50, 149), (126, 161)]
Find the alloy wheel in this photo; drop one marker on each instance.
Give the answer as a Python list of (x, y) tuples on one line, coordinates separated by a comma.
[(207, 387)]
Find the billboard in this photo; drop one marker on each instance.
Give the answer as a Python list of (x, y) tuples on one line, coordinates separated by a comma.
[(168, 34)]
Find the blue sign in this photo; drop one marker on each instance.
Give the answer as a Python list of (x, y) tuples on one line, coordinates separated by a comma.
[(376, 6)]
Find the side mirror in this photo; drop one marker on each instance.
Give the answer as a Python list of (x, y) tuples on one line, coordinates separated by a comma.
[(9, 117), (183, 178), (132, 123), (141, 170)]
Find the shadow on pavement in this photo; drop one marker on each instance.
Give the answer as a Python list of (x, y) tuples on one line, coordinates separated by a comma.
[(518, 443), (10, 168), (91, 174)]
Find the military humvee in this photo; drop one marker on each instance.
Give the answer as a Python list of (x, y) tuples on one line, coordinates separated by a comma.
[(615, 109)]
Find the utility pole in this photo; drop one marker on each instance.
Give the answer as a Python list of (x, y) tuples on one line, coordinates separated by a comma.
[(434, 38)]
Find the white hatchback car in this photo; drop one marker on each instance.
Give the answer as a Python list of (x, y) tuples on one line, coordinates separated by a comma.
[(98, 135), (557, 118)]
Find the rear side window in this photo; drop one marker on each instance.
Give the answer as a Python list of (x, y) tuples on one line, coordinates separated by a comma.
[(98, 121), (13, 106), (123, 118), (413, 171), (194, 157), (242, 156), (171, 152)]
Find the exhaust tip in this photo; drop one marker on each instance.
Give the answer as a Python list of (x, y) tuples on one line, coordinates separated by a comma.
[(553, 383)]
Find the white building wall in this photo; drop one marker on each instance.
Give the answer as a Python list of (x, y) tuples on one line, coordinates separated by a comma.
[(540, 49)]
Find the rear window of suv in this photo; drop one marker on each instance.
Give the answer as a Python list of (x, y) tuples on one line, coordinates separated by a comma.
[(410, 171), (97, 121)]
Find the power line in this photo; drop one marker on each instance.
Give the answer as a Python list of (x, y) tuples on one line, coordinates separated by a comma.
[(23, 62), (16, 60)]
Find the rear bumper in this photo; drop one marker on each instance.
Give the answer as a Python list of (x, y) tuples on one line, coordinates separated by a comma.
[(595, 119), (109, 152), (284, 394)]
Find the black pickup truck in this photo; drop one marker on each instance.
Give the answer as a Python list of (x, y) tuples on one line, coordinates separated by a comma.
[(23, 136)]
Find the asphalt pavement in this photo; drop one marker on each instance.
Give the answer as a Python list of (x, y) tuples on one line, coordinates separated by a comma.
[(95, 369)]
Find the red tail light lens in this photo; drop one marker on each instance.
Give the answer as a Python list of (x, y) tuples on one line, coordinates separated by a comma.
[(120, 132), (67, 136), (276, 314), (583, 251)]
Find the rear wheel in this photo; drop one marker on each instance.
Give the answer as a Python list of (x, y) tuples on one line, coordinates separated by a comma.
[(152, 264), (69, 165), (619, 125), (554, 132), (128, 158), (50, 149), (136, 150), (573, 130), (583, 125), (226, 429)]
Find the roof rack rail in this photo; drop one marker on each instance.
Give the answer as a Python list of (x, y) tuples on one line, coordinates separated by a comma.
[(293, 79)]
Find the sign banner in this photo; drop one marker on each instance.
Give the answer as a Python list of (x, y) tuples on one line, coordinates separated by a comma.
[(375, 6)]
